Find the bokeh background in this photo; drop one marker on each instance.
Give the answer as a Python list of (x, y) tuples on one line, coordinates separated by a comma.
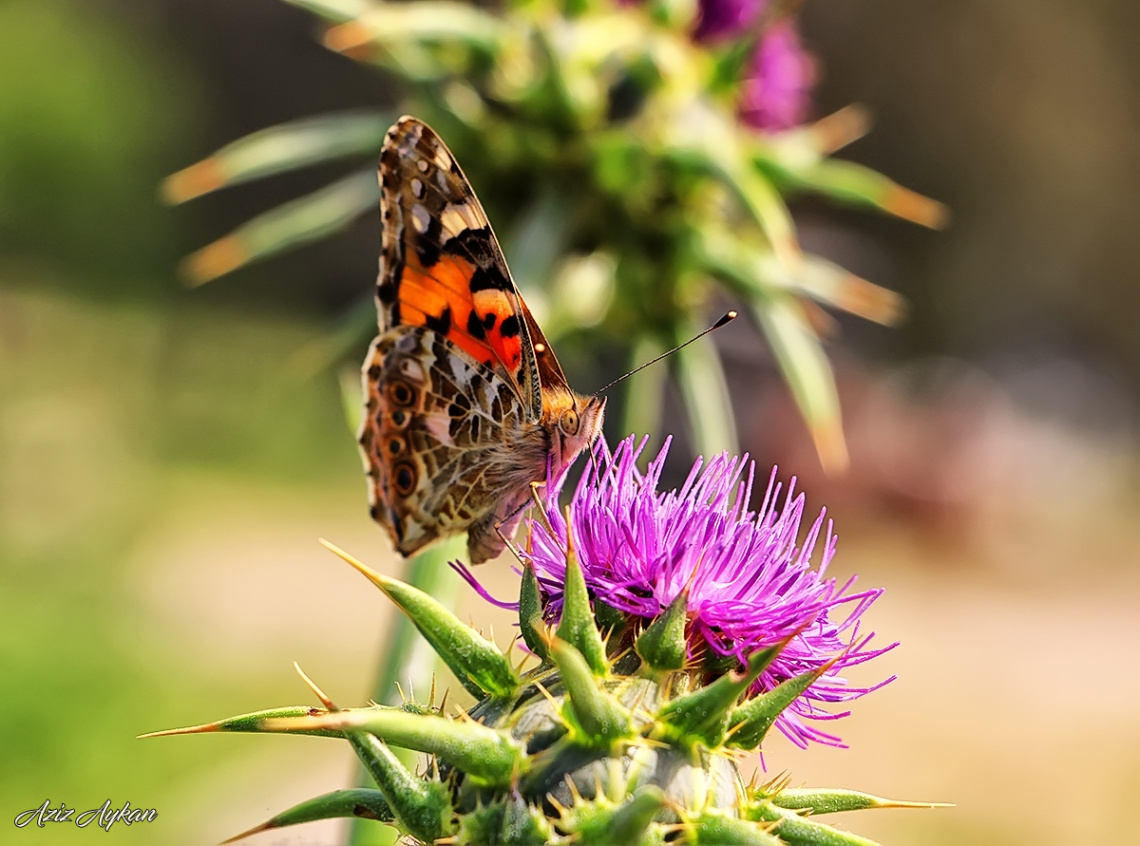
[(166, 468)]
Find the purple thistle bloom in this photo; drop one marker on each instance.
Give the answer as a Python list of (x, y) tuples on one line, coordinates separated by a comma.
[(723, 18), (750, 586), (775, 91)]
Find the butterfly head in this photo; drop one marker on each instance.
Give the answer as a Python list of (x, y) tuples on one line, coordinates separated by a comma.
[(576, 423)]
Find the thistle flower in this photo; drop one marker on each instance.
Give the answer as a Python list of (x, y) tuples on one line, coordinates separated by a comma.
[(747, 584), (720, 19), (774, 93), (687, 627), (776, 84)]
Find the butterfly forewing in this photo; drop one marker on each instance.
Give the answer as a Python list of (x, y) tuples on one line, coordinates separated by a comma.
[(441, 265)]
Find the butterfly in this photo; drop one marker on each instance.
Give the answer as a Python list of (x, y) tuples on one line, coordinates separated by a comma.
[(465, 405)]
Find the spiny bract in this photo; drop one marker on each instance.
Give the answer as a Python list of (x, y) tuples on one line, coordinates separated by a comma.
[(619, 735)]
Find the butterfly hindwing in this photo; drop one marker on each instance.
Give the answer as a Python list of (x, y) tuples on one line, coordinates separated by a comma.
[(435, 427)]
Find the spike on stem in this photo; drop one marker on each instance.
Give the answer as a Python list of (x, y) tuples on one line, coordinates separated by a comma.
[(312, 685), (662, 645), (577, 626), (478, 664)]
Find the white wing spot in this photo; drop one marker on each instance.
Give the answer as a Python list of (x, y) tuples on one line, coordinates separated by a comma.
[(420, 218), (418, 189), (413, 370), (458, 217)]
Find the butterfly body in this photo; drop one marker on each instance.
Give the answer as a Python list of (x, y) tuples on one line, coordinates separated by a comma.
[(465, 404)]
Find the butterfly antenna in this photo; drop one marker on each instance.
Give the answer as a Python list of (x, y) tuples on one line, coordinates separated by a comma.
[(728, 318)]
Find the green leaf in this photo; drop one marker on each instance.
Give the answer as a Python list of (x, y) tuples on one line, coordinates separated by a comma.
[(478, 664), (577, 626), (708, 403), (600, 719), (711, 142), (857, 185), (752, 720), (662, 645), (250, 723), (477, 750), (833, 800), (421, 806), (716, 829), (300, 221), (419, 39), (751, 272), (530, 614), (808, 374), (795, 830), (626, 824), (358, 802), (285, 147), (403, 660), (703, 714), (507, 821)]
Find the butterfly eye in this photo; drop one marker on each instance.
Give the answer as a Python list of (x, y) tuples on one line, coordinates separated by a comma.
[(569, 421)]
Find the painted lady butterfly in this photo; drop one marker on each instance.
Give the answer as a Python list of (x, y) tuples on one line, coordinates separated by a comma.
[(465, 403)]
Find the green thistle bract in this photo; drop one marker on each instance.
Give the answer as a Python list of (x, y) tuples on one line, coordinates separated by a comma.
[(604, 741)]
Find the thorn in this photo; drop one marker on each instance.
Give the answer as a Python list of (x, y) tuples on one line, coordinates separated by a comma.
[(257, 829), (558, 806), (400, 690), (320, 694), (542, 689), (202, 729), (347, 37), (356, 563), (574, 792)]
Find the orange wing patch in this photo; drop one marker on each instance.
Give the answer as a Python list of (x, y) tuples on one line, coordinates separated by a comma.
[(481, 323)]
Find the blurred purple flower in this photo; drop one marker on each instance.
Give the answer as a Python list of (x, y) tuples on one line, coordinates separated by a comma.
[(723, 18), (749, 585), (775, 92)]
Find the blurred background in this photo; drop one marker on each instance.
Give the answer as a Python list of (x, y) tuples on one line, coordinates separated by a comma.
[(166, 465)]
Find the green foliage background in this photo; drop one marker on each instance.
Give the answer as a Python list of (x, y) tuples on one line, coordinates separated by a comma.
[(164, 472)]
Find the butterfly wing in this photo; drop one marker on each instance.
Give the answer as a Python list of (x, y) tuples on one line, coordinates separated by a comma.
[(444, 441), (441, 266), (452, 433)]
